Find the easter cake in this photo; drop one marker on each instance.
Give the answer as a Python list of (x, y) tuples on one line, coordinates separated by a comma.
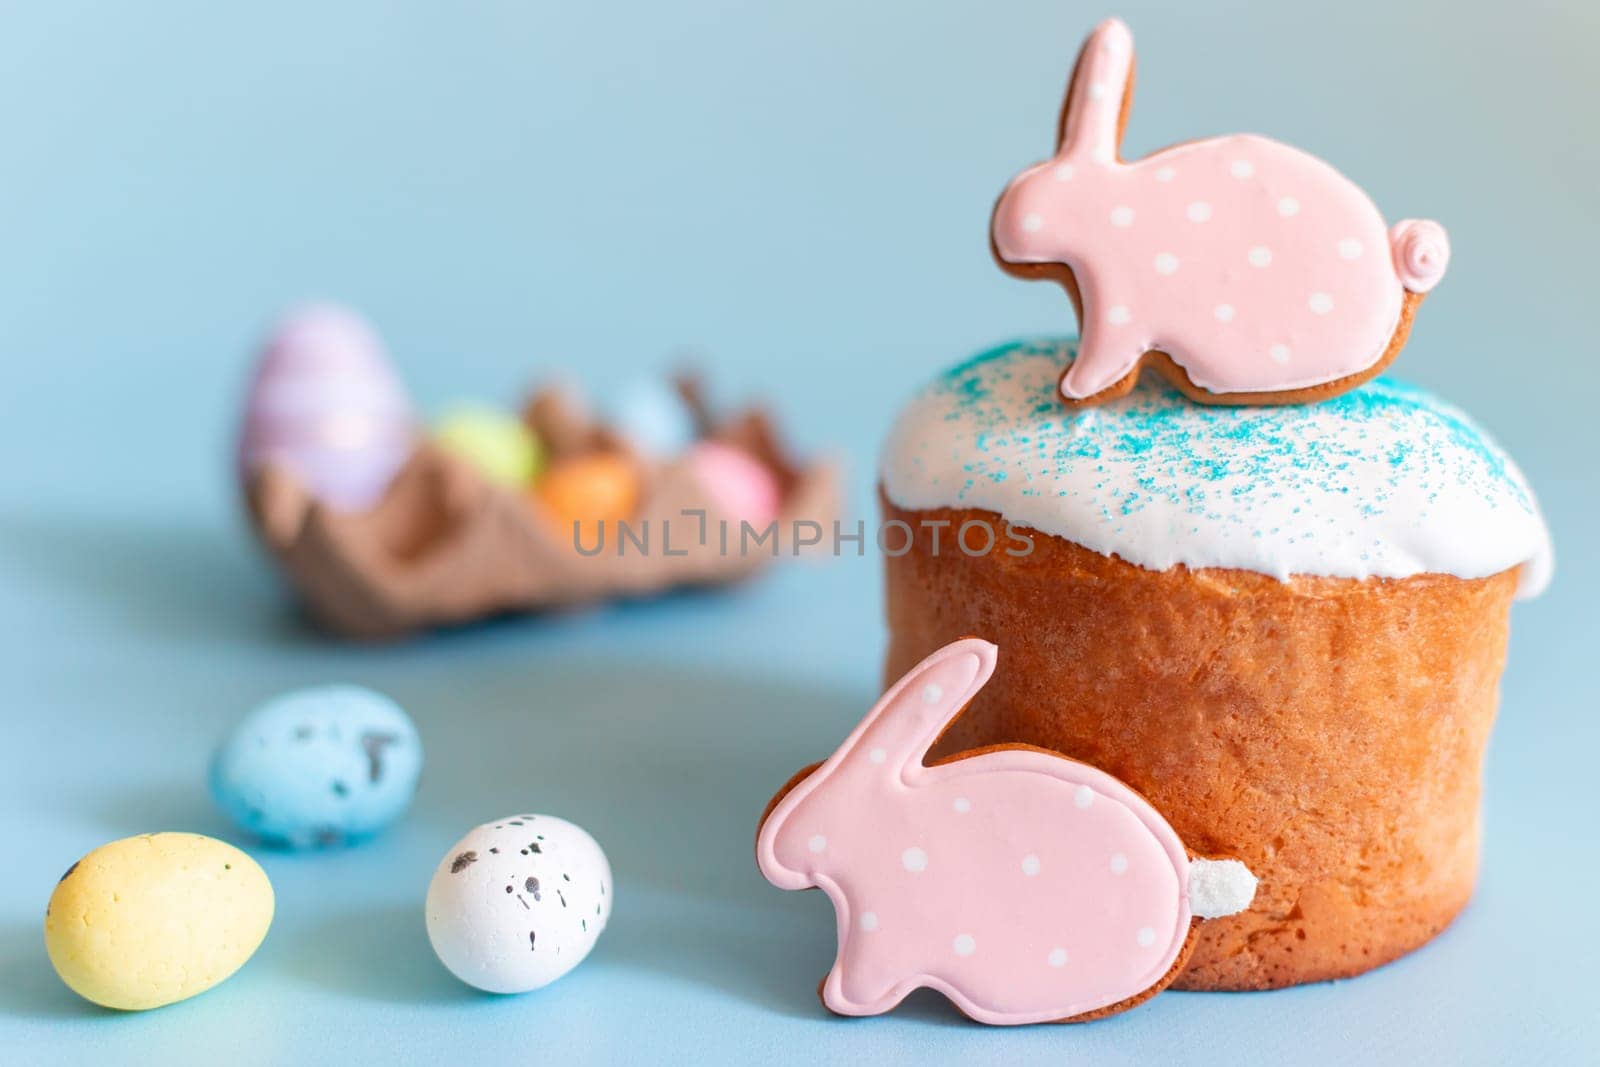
[(1283, 625), (1264, 587)]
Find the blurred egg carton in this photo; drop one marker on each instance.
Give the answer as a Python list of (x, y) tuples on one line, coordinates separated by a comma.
[(383, 530)]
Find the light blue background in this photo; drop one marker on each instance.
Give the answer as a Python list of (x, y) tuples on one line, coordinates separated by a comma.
[(799, 191)]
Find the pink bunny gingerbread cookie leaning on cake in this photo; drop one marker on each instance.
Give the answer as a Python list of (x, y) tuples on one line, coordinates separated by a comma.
[(1244, 270), (1024, 886)]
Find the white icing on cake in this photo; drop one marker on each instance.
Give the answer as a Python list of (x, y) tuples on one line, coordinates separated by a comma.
[(1384, 481)]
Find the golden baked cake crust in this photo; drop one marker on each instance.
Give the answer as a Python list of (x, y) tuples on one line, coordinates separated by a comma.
[(1329, 732)]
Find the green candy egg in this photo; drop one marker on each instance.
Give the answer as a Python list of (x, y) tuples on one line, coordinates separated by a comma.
[(500, 446)]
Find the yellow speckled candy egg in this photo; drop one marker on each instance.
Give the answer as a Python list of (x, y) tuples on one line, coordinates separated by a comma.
[(154, 919)]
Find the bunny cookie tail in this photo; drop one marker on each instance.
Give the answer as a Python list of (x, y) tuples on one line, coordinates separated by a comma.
[(1092, 124), (1219, 887), (1421, 252)]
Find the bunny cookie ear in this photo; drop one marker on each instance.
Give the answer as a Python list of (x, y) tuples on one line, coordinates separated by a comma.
[(1091, 122), (909, 718), (895, 735)]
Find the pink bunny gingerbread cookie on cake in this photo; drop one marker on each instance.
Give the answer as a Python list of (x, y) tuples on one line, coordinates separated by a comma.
[(1244, 270), (1024, 886)]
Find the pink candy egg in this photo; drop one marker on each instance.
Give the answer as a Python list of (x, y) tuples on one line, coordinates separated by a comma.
[(326, 404), (739, 485)]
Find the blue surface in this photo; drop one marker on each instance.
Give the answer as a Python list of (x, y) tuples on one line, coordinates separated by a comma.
[(799, 191)]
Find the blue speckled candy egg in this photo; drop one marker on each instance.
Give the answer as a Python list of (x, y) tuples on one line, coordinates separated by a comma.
[(653, 417), (324, 766)]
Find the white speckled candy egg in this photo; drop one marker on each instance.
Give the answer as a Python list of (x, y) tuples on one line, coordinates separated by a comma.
[(327, 405), (157, 918), (323, 766), (518, 902)]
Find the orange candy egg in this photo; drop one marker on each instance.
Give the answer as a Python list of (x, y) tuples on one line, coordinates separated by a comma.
[(588, 490)]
